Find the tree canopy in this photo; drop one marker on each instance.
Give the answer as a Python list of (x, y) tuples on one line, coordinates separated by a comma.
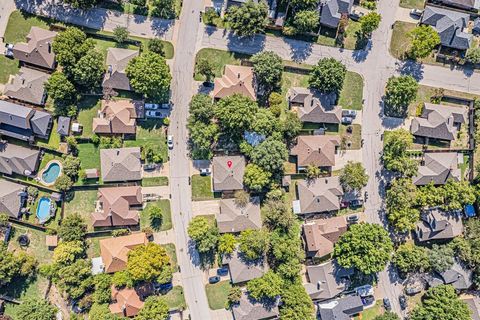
[(73, 228), (267, 286), (235, 115), (253, 244), (121, 34), (248, 19), (400, 92), (255, 178), (370, 22), (270, 155), (353, 176), (387, 316), (36, 309), (297, 304), (328, 75), (203, 233), (149, 74), (411, 258), (424, 39), (400, 200), (13, 265), (149, 262), (268, 69), (395, 156), (441, 257), (62, 91), (306, 20), (164, 9), (226, 243), (155, 308), (70, 46)]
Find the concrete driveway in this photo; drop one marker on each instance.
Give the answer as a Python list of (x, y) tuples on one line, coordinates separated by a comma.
[(205, 207), (160, 191), (344, 156), (403, 14)]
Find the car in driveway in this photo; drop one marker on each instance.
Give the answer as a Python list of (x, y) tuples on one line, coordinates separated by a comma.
[(364, 291), (356, 15), (416, 13), (163, 287), (347, 120), (222, 271), (213, 279), (152, 106), (352, 219), (153, 114), (205, 172), (149, 166), (170, 142), (356, 203), (349, 113), (403, 302), (386, 304), (9, 50)]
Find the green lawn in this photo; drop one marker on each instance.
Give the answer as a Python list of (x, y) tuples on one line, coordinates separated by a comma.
[(351, 38), (217, 294), (7, 67), (46, 158), (21, 290), (155, 181), (54, 139), (400, 43), (37, 246), (83, 203), (371, 313), (170, 247), (166, 224), (89, 155), (102, 46), (219, 58), (88, 108), (351, 95), (150, 133), (175, 298), (19, 25), (412, 4), (201, 188)]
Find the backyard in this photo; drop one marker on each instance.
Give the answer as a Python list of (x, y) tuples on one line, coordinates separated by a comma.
[(83, 203), (217, 294), (53, 141), (88, 108), (166, 222), (89, 155)]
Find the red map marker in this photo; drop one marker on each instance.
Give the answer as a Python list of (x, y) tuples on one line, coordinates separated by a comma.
[(229, 163)]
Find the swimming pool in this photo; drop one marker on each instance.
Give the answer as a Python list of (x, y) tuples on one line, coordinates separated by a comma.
[(52, 172), (43, 209)]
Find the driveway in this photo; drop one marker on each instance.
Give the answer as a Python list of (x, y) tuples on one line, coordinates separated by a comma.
[(205, 207), (6, 8), (344, 156), (159, 191), (162, 171), (164, 237), (403, 14)]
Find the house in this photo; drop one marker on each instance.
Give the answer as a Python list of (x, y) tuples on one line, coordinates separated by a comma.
[(15, 159), (320, 195), (127, 302), (473, 304), (235, 80), (317, 150), (28, 86), (118, 117), (122, 164), (461, 4), (340, 309), (438, 167), (327, 280), (12, 198), (63, 126), (23, 123), (436, 224), (321, 235), (476, 26), (118, 206), (313, 106), (439, 122), (243, 270), (450, 25), (37, 50), (117, 61), (457, 276), (251, 309), (227, 172), (235, 218), (331, 11), (114, 251)]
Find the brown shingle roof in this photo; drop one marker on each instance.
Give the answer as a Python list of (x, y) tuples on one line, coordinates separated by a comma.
[(38, 49), (437, 224), (234, 218), (242, 270), (114, 251), (126, 302), (28, 86), (116, 206), (251, 309), (320, 195), (313, 106), (326, 280), (11, 199), (117, 116), (121, 164), (321, 235), (236, 79), (316, 150), (438, 168), (228, 173), (117, 61)]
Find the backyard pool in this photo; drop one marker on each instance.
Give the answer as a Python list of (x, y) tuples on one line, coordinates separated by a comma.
[(51, 173), (43, 209)]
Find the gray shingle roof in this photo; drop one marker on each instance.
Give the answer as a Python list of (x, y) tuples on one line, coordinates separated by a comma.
[(12, 197), (242, 270), (17, 159), (436, 224), (327, 280), (250, 309), (332, 10), (28, 86), (438, 168), (121, 164), (228, 173), (320, 195), (37, 50), (234, 218), (117, 61), (40, 123), (314, 106), (63, 127), (340, 309)]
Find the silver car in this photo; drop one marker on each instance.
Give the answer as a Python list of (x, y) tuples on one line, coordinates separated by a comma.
[(170, 142)]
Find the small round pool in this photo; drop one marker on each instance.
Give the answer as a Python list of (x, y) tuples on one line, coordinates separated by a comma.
[(51, 173), (43, 209)]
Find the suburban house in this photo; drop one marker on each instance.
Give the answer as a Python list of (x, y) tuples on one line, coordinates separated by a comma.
[(473, 303), (37, 50), (28, 86), (438, 167), (439, 122), (235, 218), (451, 26), (118, 206), (331, 11), (227, 172), (118, 117), (15, 159), (340, 309), (117, 61), (235, 80), (321, 235), (319, 196), (314, 107), (251, 309), (436, 224), (23, 123), (327, 280), (63, 126), (114, 251), (127, 302), (122, 164), (317, 150), (242, 270), (12, 198), (461, 4), (457, 276)]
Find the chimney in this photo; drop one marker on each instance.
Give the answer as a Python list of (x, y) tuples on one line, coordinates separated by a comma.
[(49, 47), (238, 75)]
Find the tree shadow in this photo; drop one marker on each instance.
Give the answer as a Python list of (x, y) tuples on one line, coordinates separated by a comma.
[(363, 46), (247, 45), (412, 68), (299, 50), (160, 27)]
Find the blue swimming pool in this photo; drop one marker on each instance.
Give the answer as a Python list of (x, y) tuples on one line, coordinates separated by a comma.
[(51, 173), (43, 209)]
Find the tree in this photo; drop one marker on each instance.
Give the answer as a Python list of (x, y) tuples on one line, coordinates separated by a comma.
[(75, 279), (441, 302), (267, 286), (203, 137), (121, 34), (88, 71), (255, 178), (253, 244), (268, 69), (286, 251), (203, 233), (83, 4), (206, 68), (72, 228), (270, 155), (242, 198), (155, 308), (291, 125), (149, 74), (424, 39), (395, 156), (400, 200), (13, 265), (149, 262), (411, 258), (473, 55), (163, 8), (265, 123), (69, 46), (328, 75), (101, 312), (61, 90), (400, 92), (297, 304), (369, 23), (387, 316), (278, 214), (102, 292), (71, 165), (67, 252), (235, 115), (468, 247), (367, 247), (72, 145), (458, 194), (441, 257), (248, 19), (36, 309), (303, 4), (201, 109), (353, 176), (63, 183), (313, 172), (155, 215), (226, 243), (122, 279), (430, 196), (234, 296), (3, 219), (306, 20), (156, 45)]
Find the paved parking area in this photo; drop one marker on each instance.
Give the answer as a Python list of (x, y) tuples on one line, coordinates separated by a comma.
[(205, 207), (344, 156)]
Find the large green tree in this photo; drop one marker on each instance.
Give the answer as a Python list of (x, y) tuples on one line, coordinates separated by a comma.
[(270, 155), (255, 178), (306, 20), (458, 194), (149, 74), (72, 228), (36, 309), (121, 34), (395, 156), (400, 200), (291, 125), (13, 265), (62, 91), (163, 8), (74, 279), (69, 46), (424, 39), (226, 243), (267, 286), (367, 247), (441, 257), (411, 258), (206, 68), (473, 55), (278, 213), (400, 92), (265, 122), (370, 22), (155, 308), (353, 176), (253, 244), (328, 75), (268, 69), (149, 262), (297, 304), (248, 19), (235, 115), (203, 137), (204, 233), (67, 252)]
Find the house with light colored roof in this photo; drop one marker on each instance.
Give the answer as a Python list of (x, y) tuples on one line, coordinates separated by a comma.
[(12, 198), (317, 150), (340, 309), (37, 50), (28, 86), (243, 270), (438, 168), (313, 106), (436, 224), (327, 280), (121, 164), (117, 62), (321, 235), (118, 117), (251, 309), (321, 195), (234, 218), (119, 206), (227, 173), (114, 251), (15, 159), (235, 80)]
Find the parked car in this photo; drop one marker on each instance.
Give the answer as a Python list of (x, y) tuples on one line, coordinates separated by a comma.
[(347, 120), (213, 279), (205, 172), (344, 204), (349, 113), (364, 291), (151, 106), (9, 50), (170, 142), (222, 271), (165, 106), (149, 166), (367, 301), (386, 304), (153, 114), (352, 219), (416, 12), (356, 203), (163, 286), (403, 302), (356, 15), (207, 84)]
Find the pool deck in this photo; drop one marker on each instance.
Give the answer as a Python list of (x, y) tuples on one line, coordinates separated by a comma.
[(40, 174)]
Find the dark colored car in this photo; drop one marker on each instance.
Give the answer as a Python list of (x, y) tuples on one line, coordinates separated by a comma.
[(222, 271), (352, 219), (213, 279), (150, 167), (403, 302), (356, 203), (163, 287), (386, 304)]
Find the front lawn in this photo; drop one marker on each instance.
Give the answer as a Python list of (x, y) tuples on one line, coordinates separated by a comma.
[(219, 58), (166, 224), (88, 108), (412, 4), (89, 155), (19, 25), (7, 67), (83, 203), (170, 247), (150, 132), (201, 188), (217, 294), (154, 181), (372, 312), (351, 95), (175, 298), (400, 43), (102, 45)]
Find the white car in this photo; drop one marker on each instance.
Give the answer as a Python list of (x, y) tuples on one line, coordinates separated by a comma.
[(9, 50), (170, 142), (365, 291), (416, 12), (153, 114), (151, 106)]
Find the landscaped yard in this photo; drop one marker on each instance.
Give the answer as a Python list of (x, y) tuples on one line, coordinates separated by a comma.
[(219, 58), (217, 294), (400, 41), (166, 224), (54, 139), (175, 298), (170, 247), (89, 155), (154, 181), (412, 4), (37, 246), (201, 188), (19, 25), (83, 203), (32, 207), (371, 313), (150, 133), (88, 108)]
